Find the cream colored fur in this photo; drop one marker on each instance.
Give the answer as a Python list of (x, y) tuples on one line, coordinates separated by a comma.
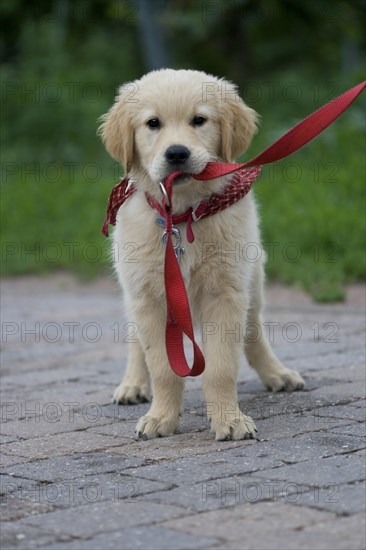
[(224, 293)]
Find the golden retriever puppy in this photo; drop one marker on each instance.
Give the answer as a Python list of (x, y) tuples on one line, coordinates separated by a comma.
[(183, 119)]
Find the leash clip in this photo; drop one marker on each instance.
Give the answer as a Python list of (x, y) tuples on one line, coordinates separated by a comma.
[(178, 249)]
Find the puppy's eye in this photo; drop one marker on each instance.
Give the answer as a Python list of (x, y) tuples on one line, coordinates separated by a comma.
[(198, 120), (153, 123)]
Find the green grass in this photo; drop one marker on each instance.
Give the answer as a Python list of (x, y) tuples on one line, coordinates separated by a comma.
[(312, 206), (47, 226)]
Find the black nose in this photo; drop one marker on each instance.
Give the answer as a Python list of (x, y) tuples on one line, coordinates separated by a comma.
[(177, 154)]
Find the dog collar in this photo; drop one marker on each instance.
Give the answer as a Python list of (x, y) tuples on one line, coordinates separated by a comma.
[(238, 186)]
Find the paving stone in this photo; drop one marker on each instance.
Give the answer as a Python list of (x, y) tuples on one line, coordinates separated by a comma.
[(48, 425), (310, 356), (16, 534), (340, 534), (341, 499), (248, 457), (104, 517), (272, 404), (289, 350), (101, 374), (259, 403), (359, 430), (362, 452), (344, 533), (7, 460), (337, 392), (251, 524), (305, 447), (333, 470), (228, 492), (342, 411), (278, 426), (307, 434), (122, 412), (75, 466), (351, 373), (339, 358), (361, 403), (204, 467), (28, 405), (189, 423), (312, 383), (123, 429), (7, 439), (10, 484), (15, 508), (19, 498), (149, 538), (333, 443), (179, 446), (87, 490), (348, 533), (56, 445), (30, 359)]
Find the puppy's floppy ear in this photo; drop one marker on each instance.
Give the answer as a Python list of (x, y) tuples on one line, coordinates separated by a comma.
[(116, 130), (238, 123)]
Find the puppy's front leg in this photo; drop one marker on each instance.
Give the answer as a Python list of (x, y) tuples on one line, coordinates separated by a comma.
[(167, 388), (221, 330), (134, 387)]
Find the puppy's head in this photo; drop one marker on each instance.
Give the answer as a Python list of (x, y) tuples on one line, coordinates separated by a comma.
[(176, 120)]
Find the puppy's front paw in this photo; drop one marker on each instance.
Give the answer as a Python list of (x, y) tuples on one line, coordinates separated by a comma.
[(127, 394), (150, 426), (283, 380), (238, 426)]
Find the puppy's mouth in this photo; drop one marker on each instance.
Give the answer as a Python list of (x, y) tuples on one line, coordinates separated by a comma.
[(186, 176), (182, 178)]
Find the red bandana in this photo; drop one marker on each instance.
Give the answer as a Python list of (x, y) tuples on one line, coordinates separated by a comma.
[(238, 186), (118, 196)]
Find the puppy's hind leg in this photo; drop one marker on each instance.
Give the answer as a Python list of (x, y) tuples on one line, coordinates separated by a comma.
[(258, 350), (135, 386)]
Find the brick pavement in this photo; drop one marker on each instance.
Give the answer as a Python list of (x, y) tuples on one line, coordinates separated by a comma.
[(73, 477)]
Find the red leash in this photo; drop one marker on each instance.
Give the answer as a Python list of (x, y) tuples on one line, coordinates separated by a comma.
[(179, 318), (179, 321)]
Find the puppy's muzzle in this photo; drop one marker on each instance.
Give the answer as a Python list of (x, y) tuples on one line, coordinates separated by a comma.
[(177, 155)]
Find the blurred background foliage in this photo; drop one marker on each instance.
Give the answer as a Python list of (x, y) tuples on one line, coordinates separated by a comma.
[(62, 62)]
